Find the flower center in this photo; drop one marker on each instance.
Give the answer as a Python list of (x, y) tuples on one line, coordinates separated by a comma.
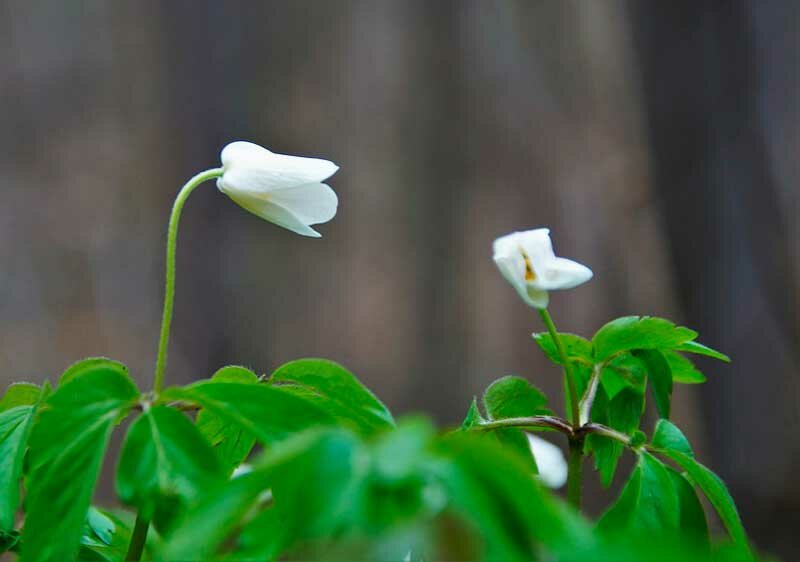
[(530, 274)]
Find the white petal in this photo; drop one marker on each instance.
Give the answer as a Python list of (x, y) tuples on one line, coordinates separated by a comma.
[(312, 203), (537, 246), (510, 261), (274, 213), (252, 168), (550, 460), (561, 273)]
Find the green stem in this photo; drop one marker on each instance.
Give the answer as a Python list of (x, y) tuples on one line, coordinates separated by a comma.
[(575, 472), (573, 390), (549, 422), (138, 539), (169, 285)]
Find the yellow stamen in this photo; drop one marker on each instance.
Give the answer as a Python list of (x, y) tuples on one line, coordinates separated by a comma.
[(530, 274)]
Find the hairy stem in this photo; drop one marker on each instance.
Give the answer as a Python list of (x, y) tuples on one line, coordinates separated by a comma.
[(573, 390), (169, 285), (138, 539)]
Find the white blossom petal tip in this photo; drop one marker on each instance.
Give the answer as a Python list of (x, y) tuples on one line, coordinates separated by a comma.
[(285, 190), (550, 461), (527, 261)]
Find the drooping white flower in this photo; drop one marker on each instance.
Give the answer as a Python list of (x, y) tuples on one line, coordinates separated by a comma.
[(285, 190), (550, 460), (527, 261)]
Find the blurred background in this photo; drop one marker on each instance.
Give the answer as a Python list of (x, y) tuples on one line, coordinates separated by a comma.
[(658, 140)]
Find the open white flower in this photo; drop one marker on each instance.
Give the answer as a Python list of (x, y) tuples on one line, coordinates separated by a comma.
[(550, 461), (527, 261), (285, 190)]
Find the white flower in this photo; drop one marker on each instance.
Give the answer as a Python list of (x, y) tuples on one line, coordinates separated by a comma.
[(550, 460), (285, 190), (527, 261)]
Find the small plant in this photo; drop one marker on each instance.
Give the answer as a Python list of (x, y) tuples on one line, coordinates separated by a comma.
[(307, 464)]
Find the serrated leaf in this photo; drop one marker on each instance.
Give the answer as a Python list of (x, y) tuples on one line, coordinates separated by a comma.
[(667, 436), (648, 502), (622, 413), (576, 348), (337, 391), (682, 369), (700, 349), (717, 493), (231, 443), (164, 464), (638, 332), (268, 413), (693, 526), (66, 451), (20, 394), (660, 377), (511, 397)]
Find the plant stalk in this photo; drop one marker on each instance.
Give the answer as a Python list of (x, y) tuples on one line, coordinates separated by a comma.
[(169, 285), (575, 472), (573, 389), (138, 539)]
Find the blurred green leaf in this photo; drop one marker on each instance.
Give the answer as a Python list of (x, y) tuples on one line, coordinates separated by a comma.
[(20, 394), (231, 443), (9, 540), (268, 413), (577, 348), (660, 378), (473, 416), (638, 332), (624, 371), (336, 390), (165, 463), (66, 451), (648, 502), (700, 349), (683, 370)]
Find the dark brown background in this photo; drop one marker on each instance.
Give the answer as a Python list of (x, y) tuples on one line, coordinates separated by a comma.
[(658, 140)]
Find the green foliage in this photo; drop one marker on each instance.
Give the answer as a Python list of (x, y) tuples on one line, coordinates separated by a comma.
[(511, 397), (623, 413), (638, 332), (231, 443), (660, 378), (337, 391), (15, 426), (165, 463), (66, 451), (577, 348)]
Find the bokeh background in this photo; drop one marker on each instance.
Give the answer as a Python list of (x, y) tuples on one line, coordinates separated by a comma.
[(658, 140)]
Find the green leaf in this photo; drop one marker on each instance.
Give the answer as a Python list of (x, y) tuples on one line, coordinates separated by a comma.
[(267, 413), (624, 371), (693, 526), (165, 463), (512, 397), (309, 474), (15, 427), (700, 349), (667, 436), (648, 502), (231, 443), (638, 332), (660, 378), (577, 348), (683, 370), (100, 526), (622, 413), (716, 492), (337, 391), (20, 394), (66, 451), (9, 541), (106, 537), (473, 416)]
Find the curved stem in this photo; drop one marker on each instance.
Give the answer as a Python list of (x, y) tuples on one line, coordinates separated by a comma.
[(587, 401), (138, 540), (573, 390), (169, 285), (550, 422)]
